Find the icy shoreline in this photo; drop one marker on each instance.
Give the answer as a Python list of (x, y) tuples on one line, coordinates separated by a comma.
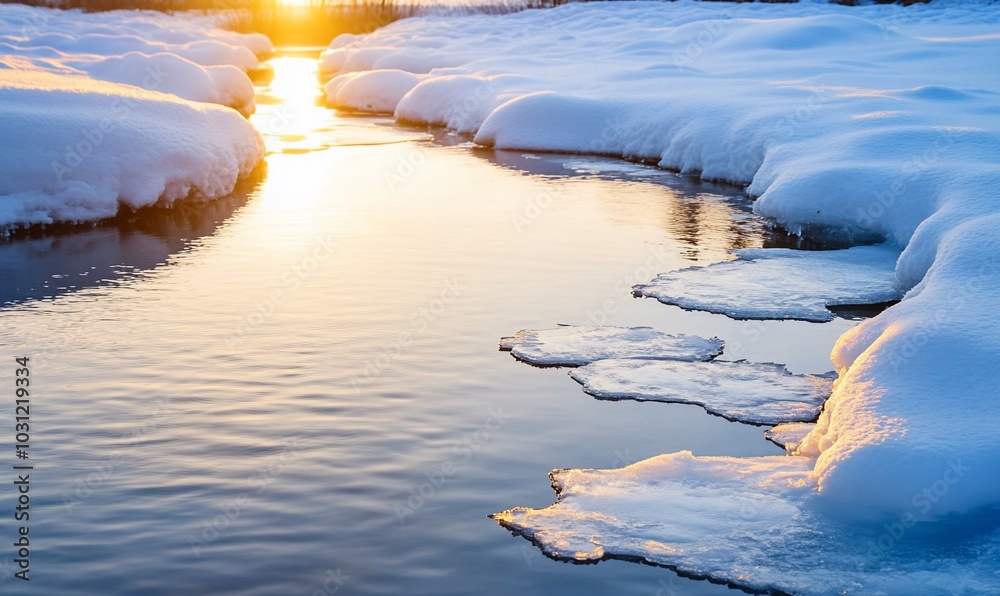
[(879, 122)]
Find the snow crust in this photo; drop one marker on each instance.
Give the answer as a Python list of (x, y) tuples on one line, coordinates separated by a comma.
[(578, 345), (782, 283), (749, 392), (96, 113)]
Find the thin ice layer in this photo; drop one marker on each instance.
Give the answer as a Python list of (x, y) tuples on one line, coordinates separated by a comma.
[(789, 435), (755, 523), (779, 283), (749, 392), (579, 345)]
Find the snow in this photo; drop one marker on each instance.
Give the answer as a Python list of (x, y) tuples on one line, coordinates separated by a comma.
[(184, 56), (747, 392), (756, 523), (782, 283), (96, 113), (377, 91), (578, 345), (789, 435), (872, 124), (918, 388)]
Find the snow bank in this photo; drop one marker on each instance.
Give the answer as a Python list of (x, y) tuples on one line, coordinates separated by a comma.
[(75, 148), (96, 115), (917, 393), (578, 345), (741, 391), (184, 56), (769, 283), (876, 121)]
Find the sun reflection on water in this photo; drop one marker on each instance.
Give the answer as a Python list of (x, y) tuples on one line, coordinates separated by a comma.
[(290, 111)]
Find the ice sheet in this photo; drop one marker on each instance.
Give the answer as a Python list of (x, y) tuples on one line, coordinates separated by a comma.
[(578, 345), (742, 391), (782, 283)]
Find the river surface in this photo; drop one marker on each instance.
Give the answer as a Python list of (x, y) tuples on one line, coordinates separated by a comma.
[(260, 396)]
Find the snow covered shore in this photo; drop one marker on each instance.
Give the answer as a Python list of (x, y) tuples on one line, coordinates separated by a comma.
[(124, 107), (876, 123)]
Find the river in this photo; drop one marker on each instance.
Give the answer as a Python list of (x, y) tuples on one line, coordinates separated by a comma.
[(300, 391)]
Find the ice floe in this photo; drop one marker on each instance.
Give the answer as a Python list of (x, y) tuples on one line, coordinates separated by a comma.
[(749, 392), (777, 283), (578, 345), (756, 523)]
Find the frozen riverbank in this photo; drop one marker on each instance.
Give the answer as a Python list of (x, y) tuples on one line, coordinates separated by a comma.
[(876, 123), (116, 109)]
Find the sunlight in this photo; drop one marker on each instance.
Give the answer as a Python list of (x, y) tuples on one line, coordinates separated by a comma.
[(290, 114)]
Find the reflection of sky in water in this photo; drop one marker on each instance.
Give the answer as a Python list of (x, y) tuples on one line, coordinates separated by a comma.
[(285, 319)]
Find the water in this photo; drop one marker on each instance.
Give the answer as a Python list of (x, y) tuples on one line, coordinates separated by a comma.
[(288, 369)]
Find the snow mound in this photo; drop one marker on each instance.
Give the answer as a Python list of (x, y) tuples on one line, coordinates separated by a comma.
[(917, 391), (169, 73), (782, 283), (377, 91), (579, 345), (741, 391), (756, 523), (74, 148), (183, 56), (103, 110), (789, 435)]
